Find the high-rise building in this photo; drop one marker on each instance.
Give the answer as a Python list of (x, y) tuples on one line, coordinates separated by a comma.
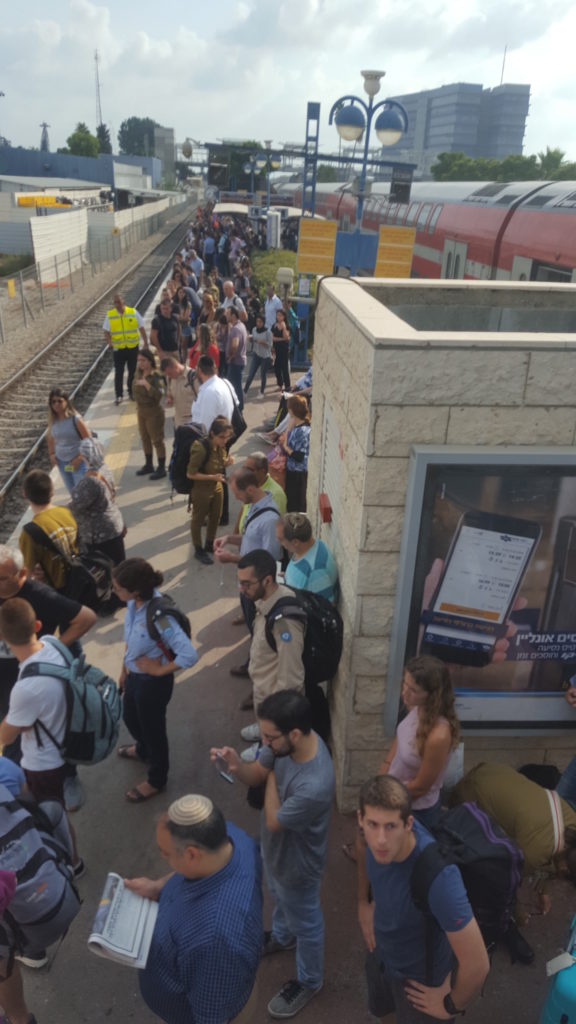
[(165, 149), (463, 118)]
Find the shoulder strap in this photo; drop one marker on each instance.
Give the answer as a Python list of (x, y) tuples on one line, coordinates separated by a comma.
[(260, 512), (425, 869), (231, 390), (285, 608), (39, 536)]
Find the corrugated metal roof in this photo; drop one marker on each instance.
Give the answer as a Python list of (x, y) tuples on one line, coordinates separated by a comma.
[(33, 183)]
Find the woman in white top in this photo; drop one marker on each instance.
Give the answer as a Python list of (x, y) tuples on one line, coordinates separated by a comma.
[(426, 736)]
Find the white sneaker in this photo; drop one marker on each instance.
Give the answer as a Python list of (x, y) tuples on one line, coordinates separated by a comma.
[(73, 793), (250, 754), (250, 732)]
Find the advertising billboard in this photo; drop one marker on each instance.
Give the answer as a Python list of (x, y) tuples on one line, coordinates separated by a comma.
[(488, 582)]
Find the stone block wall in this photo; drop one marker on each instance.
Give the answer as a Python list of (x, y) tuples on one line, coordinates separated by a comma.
[(388, 387)]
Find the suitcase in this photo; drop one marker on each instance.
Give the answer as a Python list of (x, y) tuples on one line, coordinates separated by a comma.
[(560, 1005)]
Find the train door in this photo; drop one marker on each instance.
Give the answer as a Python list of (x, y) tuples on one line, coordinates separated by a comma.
[(521, 269), (454, 259)]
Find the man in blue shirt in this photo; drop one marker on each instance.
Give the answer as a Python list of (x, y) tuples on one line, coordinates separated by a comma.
[(311, 566), (206, 945), (395, 930)]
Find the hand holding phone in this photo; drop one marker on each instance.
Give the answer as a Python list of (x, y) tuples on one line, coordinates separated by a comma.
[(221, 764)]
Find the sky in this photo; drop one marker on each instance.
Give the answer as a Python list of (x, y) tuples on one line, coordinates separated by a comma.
[(246, 68)]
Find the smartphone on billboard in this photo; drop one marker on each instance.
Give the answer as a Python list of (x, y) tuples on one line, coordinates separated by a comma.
[(481, 577)]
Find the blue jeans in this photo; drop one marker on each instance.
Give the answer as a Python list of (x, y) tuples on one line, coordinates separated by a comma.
[(566, 788), (298, 915), (234, 375), (71, 478), (257, 363)]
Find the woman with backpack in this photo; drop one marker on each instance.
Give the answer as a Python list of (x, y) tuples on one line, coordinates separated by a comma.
[(207, 466), (147, 676)]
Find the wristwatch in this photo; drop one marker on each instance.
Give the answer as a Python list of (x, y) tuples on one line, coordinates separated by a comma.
[(450, 1008)]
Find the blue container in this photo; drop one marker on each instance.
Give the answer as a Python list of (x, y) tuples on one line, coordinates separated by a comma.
[(560, 1005)]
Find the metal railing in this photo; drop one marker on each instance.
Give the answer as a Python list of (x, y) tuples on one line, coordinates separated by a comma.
[(25, 297)]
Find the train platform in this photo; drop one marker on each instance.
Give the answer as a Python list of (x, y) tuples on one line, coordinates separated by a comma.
[(79, 988)]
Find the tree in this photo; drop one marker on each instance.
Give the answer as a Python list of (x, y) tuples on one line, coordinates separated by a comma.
[(326, 172), (550, 162), (104, 141), (136, 136), (82, 142)]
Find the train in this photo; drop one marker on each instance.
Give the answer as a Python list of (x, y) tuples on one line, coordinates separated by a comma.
[(489, 230)]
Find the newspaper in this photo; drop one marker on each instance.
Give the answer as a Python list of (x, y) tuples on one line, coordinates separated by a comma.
[(123, 926)]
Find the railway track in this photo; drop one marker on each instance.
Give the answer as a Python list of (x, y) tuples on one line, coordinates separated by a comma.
[(73, 360)]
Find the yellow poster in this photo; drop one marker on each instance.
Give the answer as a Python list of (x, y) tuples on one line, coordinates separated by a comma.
[(316, 246), (395, 250)]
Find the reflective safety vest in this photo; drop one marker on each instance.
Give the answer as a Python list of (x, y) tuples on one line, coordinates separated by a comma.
[(123, 327)]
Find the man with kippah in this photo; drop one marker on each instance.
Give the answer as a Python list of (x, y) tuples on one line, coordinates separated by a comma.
[(207, 939)]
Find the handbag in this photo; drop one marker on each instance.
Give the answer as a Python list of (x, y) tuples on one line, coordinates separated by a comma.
[(237, 420)]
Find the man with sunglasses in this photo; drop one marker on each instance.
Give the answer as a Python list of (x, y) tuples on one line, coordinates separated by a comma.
[(295, 767)]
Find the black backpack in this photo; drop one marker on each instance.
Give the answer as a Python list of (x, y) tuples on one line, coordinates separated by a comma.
[(323, 631), (184, 438), (491, 868), (159, 611)]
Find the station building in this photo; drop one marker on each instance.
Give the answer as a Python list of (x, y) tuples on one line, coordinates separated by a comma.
[(445, 411)]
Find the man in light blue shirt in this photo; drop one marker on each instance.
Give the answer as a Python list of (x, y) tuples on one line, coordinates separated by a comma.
[(311, 566)]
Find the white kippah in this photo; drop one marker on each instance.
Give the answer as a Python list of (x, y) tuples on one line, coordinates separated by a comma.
[(190, 810)]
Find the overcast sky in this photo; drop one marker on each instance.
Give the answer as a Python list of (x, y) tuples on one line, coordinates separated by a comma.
[(246, 68)]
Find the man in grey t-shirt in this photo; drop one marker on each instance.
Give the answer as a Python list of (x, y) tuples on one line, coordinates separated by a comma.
[(295, 766)]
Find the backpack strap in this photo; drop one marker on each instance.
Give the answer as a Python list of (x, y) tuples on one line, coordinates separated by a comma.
[(285, 608), (426, 868), (48, 668), (260, 512), (39, 536)]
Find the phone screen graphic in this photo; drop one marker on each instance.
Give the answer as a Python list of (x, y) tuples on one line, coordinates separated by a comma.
[(481, 577)]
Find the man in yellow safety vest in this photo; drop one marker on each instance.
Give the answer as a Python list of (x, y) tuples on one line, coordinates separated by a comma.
[(123, 327)]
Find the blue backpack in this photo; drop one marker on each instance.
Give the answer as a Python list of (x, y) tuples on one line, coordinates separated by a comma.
[(93, 707)]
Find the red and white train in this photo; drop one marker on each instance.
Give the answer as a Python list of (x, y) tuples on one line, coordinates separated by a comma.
[(522, 231)]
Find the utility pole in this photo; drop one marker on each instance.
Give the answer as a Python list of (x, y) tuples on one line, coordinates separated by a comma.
[(99, 119), (44, 139)]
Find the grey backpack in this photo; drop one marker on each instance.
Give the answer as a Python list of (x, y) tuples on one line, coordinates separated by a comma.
[(93, 707)]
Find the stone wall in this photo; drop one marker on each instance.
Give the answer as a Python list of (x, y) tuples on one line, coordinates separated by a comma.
[(388, 387)]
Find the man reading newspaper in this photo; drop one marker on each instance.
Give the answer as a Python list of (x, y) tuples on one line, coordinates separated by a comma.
[(208, 934)]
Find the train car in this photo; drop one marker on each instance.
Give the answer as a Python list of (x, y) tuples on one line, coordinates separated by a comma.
[(474, 230)]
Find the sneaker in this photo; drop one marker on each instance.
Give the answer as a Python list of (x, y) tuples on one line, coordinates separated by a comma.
[(117, 401), (79, 869), (34, 960), (250, 754), (271, 945), (291, 998), (250, 732), (241, 671), (73, 793)]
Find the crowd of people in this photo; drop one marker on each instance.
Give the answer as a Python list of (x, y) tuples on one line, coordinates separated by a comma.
[(209, 937)]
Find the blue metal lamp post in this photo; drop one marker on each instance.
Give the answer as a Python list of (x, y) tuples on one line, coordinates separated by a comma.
[(391, 124), (255, 163)]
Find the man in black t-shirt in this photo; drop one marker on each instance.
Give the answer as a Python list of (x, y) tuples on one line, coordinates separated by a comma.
[(165, 331)]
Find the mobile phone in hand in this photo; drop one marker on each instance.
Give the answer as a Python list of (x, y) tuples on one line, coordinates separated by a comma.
[(222, 768)]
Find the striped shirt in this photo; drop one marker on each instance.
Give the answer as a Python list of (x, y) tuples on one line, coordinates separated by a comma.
[(316, 571)]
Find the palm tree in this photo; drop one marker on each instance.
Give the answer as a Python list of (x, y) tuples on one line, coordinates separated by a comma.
[(550, 162)]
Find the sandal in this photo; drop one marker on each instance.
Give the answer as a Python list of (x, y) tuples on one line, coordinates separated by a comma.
[(239, 621), (124, 752), (136, 796)]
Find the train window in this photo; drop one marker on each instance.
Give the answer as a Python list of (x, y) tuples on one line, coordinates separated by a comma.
[(456, 267), (449, 265), (412, 213), (508, 199), (433, 219), (569, 200), (423, 215), (538, 201), (488, 190), (545, 273)]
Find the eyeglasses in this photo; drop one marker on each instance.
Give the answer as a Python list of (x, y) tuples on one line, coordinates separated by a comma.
[(247, 584)]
